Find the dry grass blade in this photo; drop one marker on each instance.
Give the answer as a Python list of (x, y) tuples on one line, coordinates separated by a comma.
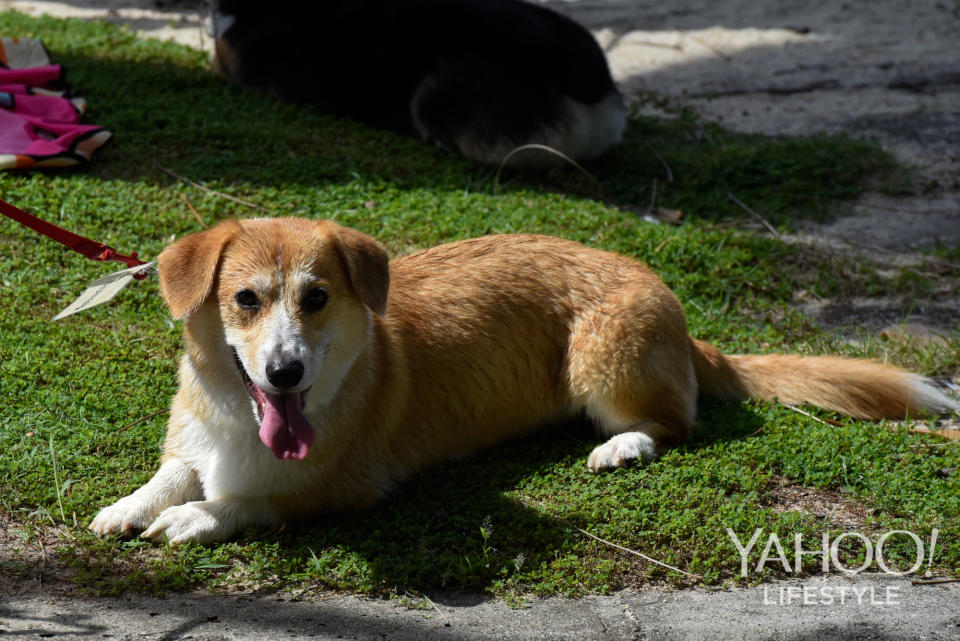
[(551, 150), (634, 552), (653, 201), (56, 480), (825, 421), (446, 621), (666, 167)]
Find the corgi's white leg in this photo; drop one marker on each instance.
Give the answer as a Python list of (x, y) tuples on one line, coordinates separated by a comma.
[(634, 378), (210, 521), (174, 483)]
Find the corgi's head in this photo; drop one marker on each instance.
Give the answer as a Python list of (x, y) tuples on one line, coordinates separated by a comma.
[(295, 299)]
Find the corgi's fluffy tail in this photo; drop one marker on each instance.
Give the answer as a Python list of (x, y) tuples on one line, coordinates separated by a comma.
[(862, 389)]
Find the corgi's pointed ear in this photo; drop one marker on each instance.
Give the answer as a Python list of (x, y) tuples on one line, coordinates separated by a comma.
[(368, 267), (188, 267)]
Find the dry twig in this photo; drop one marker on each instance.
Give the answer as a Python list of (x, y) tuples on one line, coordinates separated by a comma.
[(709, 46), (194, 183), (763, 221), (141, 420), (933, 581), (194, 211)]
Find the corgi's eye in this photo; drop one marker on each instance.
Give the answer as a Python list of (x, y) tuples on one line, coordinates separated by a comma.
[(247, 299), (315, 299)]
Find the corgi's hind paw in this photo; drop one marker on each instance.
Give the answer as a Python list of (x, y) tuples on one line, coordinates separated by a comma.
[(620, 450)]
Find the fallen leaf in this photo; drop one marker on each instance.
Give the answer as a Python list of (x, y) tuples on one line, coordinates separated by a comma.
[(672, 216), (949, 433), (916, 333)]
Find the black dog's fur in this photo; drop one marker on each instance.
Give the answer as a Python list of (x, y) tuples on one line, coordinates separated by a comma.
[(478, 76)]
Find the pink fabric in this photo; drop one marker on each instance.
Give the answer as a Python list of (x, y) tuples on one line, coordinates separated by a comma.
[(40, 127), (22, 134), (34, 76), (48, 107)]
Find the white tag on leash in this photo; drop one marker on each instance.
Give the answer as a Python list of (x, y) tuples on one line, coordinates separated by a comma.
[(102, 290)]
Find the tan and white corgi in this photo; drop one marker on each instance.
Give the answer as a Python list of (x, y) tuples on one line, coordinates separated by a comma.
[(317, 374)]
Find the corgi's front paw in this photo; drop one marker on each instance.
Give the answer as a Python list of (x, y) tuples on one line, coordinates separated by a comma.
[(129, 514), (173, 483), (206, 521), (189, 522)]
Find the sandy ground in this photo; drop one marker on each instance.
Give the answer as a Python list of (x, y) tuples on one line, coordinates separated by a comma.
[(884, 69), (869, 607)]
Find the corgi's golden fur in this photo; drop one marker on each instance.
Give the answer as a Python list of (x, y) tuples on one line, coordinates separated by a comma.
[(317, 375)]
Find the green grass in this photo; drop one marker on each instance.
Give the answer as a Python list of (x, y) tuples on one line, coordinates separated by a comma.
[(72, 434)]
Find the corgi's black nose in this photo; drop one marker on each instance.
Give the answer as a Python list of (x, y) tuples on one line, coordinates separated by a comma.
[(284, 374)]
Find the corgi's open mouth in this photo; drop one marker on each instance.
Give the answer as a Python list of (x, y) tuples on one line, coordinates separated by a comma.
[(283, 426)]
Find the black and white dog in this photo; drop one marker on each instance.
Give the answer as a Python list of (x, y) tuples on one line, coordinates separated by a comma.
[(478, 76)]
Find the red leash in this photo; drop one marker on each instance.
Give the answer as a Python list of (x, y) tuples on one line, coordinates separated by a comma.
[(89, 248)]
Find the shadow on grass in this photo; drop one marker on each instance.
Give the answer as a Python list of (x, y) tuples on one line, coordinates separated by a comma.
[(185, 119), (191, 121), (500, 518)]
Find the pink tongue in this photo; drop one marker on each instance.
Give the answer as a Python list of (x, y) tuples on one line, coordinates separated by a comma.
[(284, 428)]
